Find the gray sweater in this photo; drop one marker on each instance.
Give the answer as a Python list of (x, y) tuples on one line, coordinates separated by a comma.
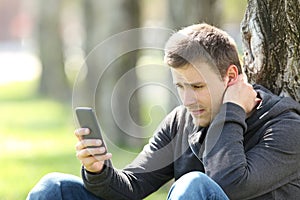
[(250, 158)]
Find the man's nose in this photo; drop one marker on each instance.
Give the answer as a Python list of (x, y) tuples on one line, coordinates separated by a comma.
[(189, 97)]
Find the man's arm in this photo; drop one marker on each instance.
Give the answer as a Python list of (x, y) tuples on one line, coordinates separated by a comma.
[(150, 170), (272, 163)]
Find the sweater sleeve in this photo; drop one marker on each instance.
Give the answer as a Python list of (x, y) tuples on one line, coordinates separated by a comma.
[(270, 164), (148, 172)]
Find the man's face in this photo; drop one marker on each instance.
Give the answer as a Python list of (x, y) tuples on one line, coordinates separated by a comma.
[(201, 91)]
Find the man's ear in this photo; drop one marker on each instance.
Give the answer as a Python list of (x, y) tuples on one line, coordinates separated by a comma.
[(232, 74)]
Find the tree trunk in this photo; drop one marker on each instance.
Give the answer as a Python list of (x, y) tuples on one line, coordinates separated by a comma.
[(106, 64), (184, 13), (270, 31), (53, 82)]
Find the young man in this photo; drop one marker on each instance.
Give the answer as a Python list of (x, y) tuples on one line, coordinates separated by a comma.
[(229, 139)]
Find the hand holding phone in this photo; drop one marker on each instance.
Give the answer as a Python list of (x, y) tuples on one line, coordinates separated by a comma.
[(94, 159)]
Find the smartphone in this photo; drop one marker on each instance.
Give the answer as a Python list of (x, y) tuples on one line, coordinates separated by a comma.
[(87, 118)]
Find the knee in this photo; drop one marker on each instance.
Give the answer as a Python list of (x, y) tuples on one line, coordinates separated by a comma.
[(192, 178), (195, 185), (51, 185), (51, 181), (56, 178), (51, 178)]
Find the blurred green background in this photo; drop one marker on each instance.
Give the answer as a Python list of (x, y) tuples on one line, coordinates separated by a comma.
[(43, 45)]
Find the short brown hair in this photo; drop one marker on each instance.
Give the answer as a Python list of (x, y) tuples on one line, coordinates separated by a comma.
[(202, 42)]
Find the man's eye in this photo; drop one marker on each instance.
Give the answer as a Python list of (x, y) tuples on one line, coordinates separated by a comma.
[(197, 86), (178, 86)]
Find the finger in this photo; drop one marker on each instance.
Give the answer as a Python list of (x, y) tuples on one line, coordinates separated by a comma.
[(87, 152), (81, 132), (79, 146), (103, 157), (97, 151), (89, 161), (83, 154), (92, 142), (97, 158), (82, 144), (258, 100), (243, 77), (240, 77)]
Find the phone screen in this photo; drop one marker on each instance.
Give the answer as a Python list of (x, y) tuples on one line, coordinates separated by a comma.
[(87, 118)]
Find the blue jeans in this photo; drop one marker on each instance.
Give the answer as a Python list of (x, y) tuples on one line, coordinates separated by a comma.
[(196, 186), (58, 186)]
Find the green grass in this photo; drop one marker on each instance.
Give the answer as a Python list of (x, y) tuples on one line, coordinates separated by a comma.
[(37, 138)]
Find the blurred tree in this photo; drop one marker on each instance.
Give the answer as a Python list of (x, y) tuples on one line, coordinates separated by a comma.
[(107, 61), (183, 13), (271, 40), (53, 82)]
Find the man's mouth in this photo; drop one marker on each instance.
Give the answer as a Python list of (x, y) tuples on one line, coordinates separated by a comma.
[(196, 112)]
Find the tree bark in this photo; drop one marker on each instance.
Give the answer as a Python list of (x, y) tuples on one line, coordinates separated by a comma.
[(270, 32)]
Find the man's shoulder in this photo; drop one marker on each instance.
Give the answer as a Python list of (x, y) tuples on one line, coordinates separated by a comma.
[(275, 105)]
